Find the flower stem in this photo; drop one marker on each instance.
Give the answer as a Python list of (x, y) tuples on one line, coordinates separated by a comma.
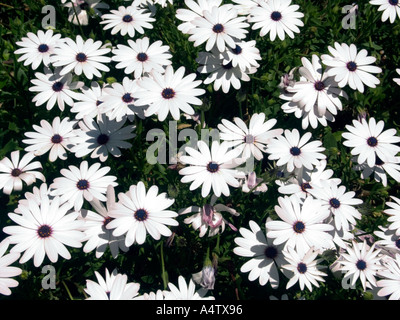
[(164, 274)]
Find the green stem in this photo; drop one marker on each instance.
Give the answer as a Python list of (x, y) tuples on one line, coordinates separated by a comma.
[(163, 273), (66, 288), (77, 18)]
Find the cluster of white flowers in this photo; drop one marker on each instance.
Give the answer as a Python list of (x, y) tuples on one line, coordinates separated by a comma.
[(315, 212)]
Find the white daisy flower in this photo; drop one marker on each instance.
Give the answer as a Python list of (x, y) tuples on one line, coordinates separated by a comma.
[(317, 89), (54, 88), (141, 57), (301, 226), (18, 170), (7, 271), (264, 257), (397, 80), (78, 10), (304, 268), (369, 141), (387, 240), (89, 101), (115, 286), (360, 262), (381, 170), (294, 151), (306, 179), (36, 195), (252, 139), (196, 9), (56, 137), (87, 57), (341, 204), (45, 229), (120, 99), (352, 67), (244, 54), (184, 291), (213, 168), (394, 214), (244, 6), (209, 217), (97, 236), (37, 48), (138, 212), (218, 27), (221, 75), (127, 20), (389, 282), (83, 183), (102, 137), (169, 92), (276, 17), (390, 8)]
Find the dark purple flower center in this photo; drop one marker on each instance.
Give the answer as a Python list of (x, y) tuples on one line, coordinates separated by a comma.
[(107, 220), (276, 16), (168, 93), (397, 243), (44, 231), (43, 48), (56, 138), (271, 252), (218, 28), (142, 56), (304, 186), (141, 215), (302, 267), (81, 57), (103, 139), (299, 227), (212, 167), (16, 172), (98, 102), (57, 86), (361, 265), (127, 98), (352, 66), (319, 86), (237, 50), (249, 139), (127, 18), (335, 203), (372, 141), (394, 2), (295, 151), (82, 184)]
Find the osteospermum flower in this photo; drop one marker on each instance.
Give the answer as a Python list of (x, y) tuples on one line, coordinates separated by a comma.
[(45, 230), (102, 137), (18, 170), (142, 57), (340, 203), (55, 137), (120, 99), (184, 291), (317, 90), (78, 12), (389, 282), (360, 262), (244, 55), (52, 87), (301, 226), (294, 151), (352, 67), (222, 75), (218, 27), (87, 57), (169, 93), (83, 183), (196, 9), (138, 212), (89, 101), (369, 141), (276, 17), (97, 236), (390, 8), (394, 214), (304, 268), (264, 257), (7, 271), (127, 20), (115, 286), (387, 240), (37, 48), (251, 139), (212, 169), (209, 217)]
